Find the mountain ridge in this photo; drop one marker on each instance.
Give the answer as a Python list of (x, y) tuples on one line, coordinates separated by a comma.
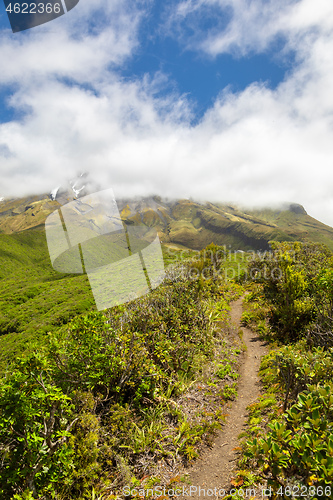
[(187, 223)]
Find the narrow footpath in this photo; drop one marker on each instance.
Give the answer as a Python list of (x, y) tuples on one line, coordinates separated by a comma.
[(217, 465)]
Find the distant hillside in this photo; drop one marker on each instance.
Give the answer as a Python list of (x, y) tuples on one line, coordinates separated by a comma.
[(25, 213), (189, 224), (35, 299), (195, 225)]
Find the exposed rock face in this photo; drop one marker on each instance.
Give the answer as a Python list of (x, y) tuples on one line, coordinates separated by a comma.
[(297, 209)]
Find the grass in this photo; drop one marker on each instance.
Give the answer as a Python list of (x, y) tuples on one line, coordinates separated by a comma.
[(34, 298), (145, 405)]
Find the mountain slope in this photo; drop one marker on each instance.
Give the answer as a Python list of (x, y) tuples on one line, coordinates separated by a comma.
[(188, 223), (195, 225), (35, 299), (25, 213)]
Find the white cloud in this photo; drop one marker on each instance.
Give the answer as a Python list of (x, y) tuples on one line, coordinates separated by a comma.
[(80, 48), (238, 26), (241, 27), (257, 146)]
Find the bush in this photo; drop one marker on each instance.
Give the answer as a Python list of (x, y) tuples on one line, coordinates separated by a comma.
[(297, 367), (36, 418), (81, 411), (301, 446), (290, 275)]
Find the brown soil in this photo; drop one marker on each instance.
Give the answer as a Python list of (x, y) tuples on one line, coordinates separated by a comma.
[(217, 465)]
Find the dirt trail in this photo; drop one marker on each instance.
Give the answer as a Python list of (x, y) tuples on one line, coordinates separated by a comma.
[(217, 465)]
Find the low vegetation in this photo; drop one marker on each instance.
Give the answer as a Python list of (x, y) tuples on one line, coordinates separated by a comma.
[(288, 444), (105, 401), (93, 402)]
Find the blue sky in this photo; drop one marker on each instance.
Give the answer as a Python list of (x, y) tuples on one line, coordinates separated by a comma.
[(188, 72), (201, 79), (193, 74), (225, 100)]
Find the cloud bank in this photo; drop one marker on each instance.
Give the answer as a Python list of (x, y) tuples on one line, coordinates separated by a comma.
[(76, 113)]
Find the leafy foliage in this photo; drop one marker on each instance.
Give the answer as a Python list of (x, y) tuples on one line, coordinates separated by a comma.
[(35, 420), (301, 445), (289, 441), (298, 367), (296, 283), (84, 409)]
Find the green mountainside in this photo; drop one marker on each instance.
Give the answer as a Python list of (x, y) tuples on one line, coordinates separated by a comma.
[(195, 225), (188, 223), (253, 230), (99, 396), (35, 299)]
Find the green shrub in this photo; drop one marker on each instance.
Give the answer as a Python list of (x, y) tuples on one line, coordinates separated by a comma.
[(301, 446), (297, 367), (291, 275), (80, 413), (36, 418)]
